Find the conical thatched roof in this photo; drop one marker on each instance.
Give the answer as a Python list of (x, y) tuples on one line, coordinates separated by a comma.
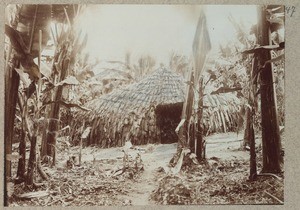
[(161, 87)]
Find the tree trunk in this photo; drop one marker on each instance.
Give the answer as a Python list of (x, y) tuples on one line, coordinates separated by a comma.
[(44, 137), (54, 112), (251, 140), (247, 133), (22, 145), (53, 126), (31, 161), (183, 132), (51, 131), (192, 137), (270, 128), (43, 150), (12, 80), (22, 152), (200, 145), (183, 140)]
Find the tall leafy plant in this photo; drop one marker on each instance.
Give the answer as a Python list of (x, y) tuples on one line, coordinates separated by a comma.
[(68, 47)]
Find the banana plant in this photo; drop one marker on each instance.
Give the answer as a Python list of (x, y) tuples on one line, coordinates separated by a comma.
[(28, 30)]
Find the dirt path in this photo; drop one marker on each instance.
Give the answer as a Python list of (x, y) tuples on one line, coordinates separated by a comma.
[(142, 189), (152, 159)]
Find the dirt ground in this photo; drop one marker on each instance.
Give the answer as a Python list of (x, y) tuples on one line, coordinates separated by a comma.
[(224, 146), (101, 180)]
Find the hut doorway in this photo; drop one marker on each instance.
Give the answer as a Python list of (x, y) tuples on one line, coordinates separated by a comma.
[(167, 119)]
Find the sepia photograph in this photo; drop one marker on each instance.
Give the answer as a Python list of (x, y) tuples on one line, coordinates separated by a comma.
[(144, 104)]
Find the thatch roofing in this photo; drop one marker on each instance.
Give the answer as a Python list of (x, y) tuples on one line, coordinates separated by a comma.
[(130, 113), (163, 86)]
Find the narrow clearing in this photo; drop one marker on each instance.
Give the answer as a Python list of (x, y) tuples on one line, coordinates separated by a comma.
[(109, 177), (223, 146), (153, 157)]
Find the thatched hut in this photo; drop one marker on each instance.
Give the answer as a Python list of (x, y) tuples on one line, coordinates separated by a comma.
[(144, 112), (149, 111)]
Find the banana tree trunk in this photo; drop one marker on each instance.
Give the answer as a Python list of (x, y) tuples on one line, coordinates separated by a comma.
[(53, 124), (32, 161), (183, 135), (184, 126)]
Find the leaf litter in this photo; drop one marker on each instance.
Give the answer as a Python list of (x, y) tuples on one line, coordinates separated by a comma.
[(93, 183), (135, 175), (218, 182)]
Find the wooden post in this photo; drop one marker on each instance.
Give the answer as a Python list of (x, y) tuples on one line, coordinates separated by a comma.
[(270, 127)]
